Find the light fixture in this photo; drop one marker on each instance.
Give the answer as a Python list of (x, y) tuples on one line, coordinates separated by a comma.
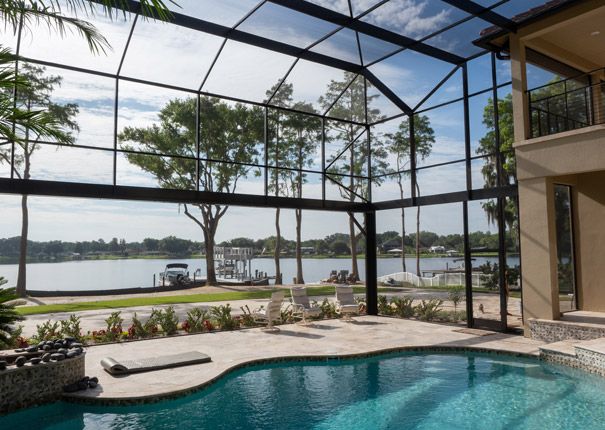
[(595, 33)]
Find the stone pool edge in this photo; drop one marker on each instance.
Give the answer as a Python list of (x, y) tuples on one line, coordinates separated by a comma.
[(155, 398)]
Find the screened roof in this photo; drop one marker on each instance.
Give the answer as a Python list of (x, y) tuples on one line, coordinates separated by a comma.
[(245, 49)]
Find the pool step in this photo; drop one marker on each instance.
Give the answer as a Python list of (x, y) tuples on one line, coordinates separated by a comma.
[(588, 355)]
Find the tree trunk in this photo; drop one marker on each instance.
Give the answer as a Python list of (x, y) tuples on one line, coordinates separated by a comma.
[(299, 269), (210, 269), (418, 233), (22, 274), (276, 253), (353, 245), (403, 265), (400, 180)]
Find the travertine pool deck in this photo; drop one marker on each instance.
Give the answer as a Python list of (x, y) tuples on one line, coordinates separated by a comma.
[(231, 349)]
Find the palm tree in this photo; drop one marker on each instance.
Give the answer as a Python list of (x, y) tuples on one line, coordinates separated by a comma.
[(18, 121), (8, 314)]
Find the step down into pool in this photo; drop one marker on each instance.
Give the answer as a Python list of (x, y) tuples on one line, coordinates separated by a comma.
[(125, 367), (588, 355)]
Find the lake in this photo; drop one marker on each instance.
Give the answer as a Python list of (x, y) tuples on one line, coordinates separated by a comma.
[(111, 274)]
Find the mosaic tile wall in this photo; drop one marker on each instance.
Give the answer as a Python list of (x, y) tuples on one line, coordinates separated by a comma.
[(21, 387), (555, 331)]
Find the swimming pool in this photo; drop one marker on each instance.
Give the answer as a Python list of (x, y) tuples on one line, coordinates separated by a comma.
[(424, 391)]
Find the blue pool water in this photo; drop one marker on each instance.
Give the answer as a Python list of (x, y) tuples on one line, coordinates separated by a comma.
[(403, 391)]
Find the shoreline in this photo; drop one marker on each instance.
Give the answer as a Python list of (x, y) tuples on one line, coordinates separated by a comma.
[(308, 257)]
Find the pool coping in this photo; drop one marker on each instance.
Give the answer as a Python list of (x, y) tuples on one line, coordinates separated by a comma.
[(159, 397)]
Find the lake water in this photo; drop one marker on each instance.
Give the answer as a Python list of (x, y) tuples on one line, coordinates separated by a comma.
[(111, 274)]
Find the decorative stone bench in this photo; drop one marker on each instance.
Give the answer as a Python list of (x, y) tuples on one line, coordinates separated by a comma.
[(30, 385)]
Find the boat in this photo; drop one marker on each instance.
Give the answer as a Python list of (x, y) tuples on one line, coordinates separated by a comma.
[(175, 274)]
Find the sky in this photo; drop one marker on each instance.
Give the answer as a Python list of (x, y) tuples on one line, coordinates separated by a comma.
[(173, 55)]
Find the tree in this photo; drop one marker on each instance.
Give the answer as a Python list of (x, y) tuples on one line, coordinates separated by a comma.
[(36, 97), (17, 122), (348, 99), (293, 138), (8, 315), (398, 143), (487, 147), (228, 133)]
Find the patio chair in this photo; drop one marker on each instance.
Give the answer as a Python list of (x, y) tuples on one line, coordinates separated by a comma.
[(302, 307), (271, 313), (345, 302)]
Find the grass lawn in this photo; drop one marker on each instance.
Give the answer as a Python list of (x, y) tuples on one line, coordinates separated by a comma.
[(325, 290)]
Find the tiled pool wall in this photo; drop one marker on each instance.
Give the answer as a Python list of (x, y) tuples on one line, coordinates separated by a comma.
[(555, 331), (30, 385)]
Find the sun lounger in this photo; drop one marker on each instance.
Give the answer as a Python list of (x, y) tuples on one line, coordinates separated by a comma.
[(345, 302), (272, 312), (301, 304), (124, 367)]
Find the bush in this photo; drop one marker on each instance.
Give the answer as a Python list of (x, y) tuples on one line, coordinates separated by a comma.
[(114, 326), (166, 319), (428, 310), (384, 307), (71, 328), (194, 323), (246, 319), (456, 295), (47, 331), (223, 318), (403, 307), (451, 316), (140, 330), (327, 308)]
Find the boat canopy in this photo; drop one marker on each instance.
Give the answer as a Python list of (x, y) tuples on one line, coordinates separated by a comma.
[(177, 265)]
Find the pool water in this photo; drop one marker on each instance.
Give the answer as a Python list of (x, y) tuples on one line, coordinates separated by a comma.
[(397, 391)]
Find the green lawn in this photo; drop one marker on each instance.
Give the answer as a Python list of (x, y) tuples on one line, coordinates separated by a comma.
[(325, 290)]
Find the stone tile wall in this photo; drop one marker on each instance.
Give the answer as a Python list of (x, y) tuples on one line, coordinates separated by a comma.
[(30, 385), (555, 331)]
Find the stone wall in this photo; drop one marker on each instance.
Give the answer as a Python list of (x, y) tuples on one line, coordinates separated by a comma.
[(555, 331), (21, 387)]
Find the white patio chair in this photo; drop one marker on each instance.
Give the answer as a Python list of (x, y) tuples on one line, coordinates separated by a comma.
[(271, 313), (345, 302), (301, 305)]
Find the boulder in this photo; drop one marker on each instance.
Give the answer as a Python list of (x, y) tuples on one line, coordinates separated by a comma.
[(57, 356), (35, 360), (20, 361), (46, 357)]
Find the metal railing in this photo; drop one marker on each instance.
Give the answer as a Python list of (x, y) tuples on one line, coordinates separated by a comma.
[(566, 105)]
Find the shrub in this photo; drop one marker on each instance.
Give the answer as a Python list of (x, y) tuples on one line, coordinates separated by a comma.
[(287, 315), (71, 328), (142, 330), (47, 331), (361, 303), (452, 316), (223, 318), (8, 315), (384, 307), (403, 307), (166, 319), (114, 326), (456, 295), (246, 319), (428, 310), (194, 323), (327, 308)]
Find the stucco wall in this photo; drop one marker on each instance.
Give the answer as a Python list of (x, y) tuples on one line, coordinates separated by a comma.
[(590, 240)]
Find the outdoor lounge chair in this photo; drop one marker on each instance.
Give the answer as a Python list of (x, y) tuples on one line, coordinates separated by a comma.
[(302, 307), (272, 312), (345, 302)]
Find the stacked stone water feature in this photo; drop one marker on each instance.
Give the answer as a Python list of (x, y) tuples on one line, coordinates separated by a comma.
[(35, 375)]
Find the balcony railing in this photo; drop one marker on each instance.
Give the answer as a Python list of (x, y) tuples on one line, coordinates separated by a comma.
[(566, 105)]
